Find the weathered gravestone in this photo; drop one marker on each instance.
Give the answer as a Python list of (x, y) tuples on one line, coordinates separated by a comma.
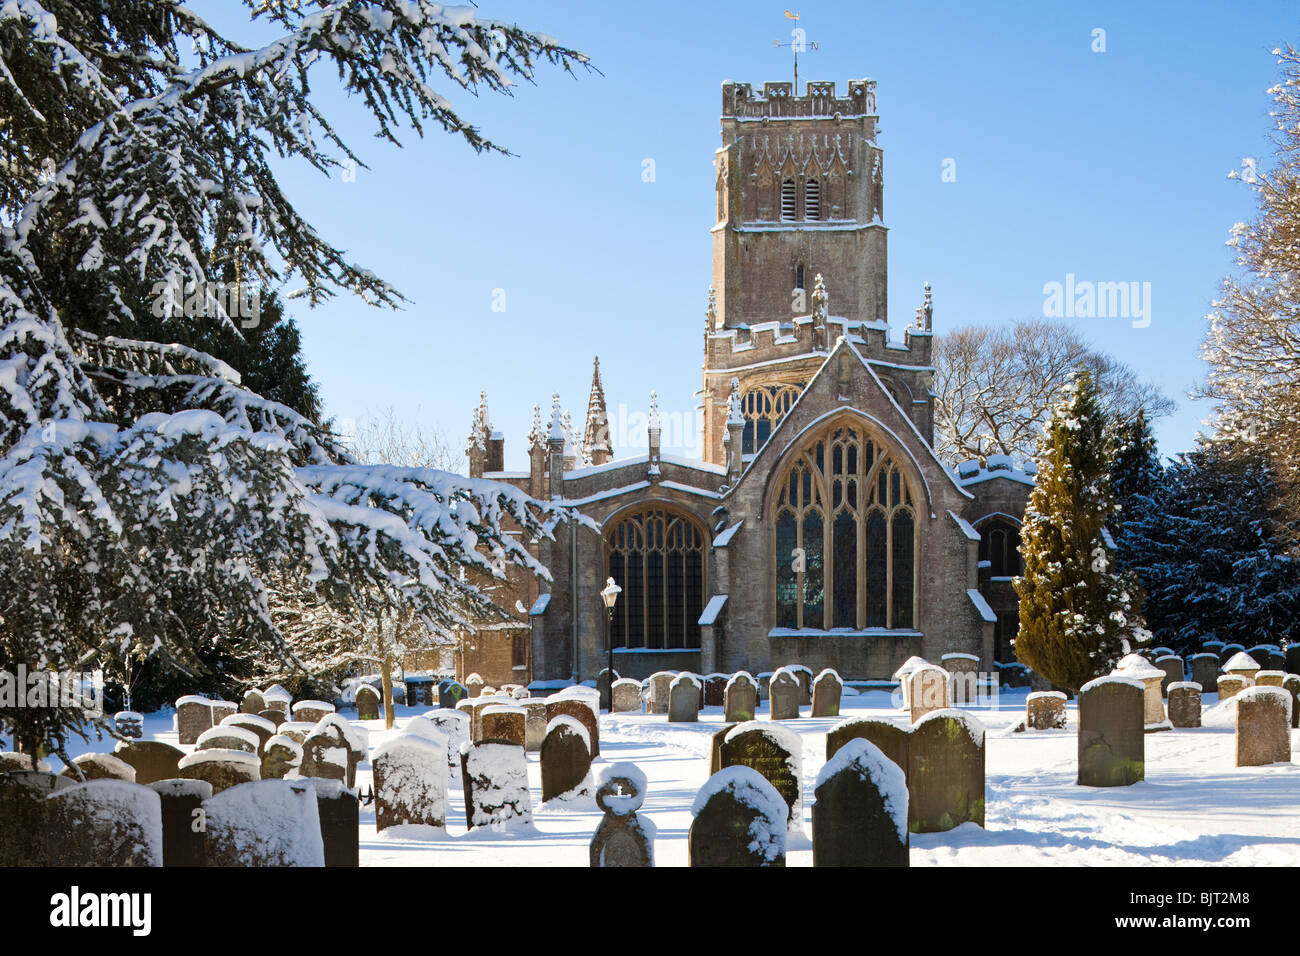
[(929, 689), (1045, 710), (281, 755), (454, 725), (451, 693), (1230, 685), (296, 730), (474, 685), (99, 767), (1112, 749), (16, 761), (105, 822), (340, 829), (1138, 668), (1241, 664), (657, 692), (1292, 685), (266, 823), (24, 816), (221, 709), (420, 691), (152, 760), (253, 703), (715, 689), (228, 738), (180, 802), (684, 696), (276, 717), (495, 778), (860, 814), (627, 695), (1228, 652), (739, 820), (355, 742), (410, 782), (622, 838), (521, 693), (311, 711), (740, 699), (804, 675), (324, 755), (565, 759), (277, 698), (784, 695), (1205, 670), (963, 675), (715, 748), (535, 720), (826, 692), (891, 739), (367, 703), (579, 702), (221, 768), (1172, 665), (777, 754), (1269, 678), (193, 717), (262, 728), (945, 774), (901, 675), (506, 723), (1263, 726), (602, 687), (1184, 704)]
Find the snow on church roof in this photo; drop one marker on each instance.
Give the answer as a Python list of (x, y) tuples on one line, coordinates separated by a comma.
[(971, 472)]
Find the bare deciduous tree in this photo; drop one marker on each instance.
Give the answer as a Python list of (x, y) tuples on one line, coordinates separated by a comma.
[(384, 439)]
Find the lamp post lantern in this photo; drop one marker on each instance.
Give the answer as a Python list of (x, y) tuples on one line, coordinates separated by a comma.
[(610, 596)]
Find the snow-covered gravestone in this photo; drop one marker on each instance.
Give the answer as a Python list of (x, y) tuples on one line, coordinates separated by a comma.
[(784, 694), (1241, 664), (1045, 710), (94, 766), (945, 774), (1152, 678), (267, 823), (451, 693), (130, 724), (963, 670), (565, 759), (740, 699), (105, 823), (627, 695), (826, 692), (534, 723), (454, 725), (221, 709), (1263, 726), (860, 814), (657, 688), (324, 755), (340, 829), (228, 738), (253, 703), (282, 754), (774, 752), (152, 760), (715, 689), (506, 723), (901, 675), (183, 840), (367, 703), (1112, 748), (804, 675), (1269, 678), (193, 717), (410, 782), (685, 695), (1230, 685), (24, 815), (892, 740), (474, 685), (311, 711), (260, 726), (739, 820), (1184, 704), (582, 703), (1173, 668), (622, 838), (221, 768), (1205, 670), (929, 689), (277, 698), (495, 778)]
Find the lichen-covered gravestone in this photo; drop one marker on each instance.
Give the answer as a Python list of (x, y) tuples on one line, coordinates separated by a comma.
[(1112, 749), (892, 740), (684, 696), (410, 782), (929, 689), (627, 695), (100, 767), (565, 759), (860, 814), (153, 760), (495, 778), (774, 752), (221, 768), (183, 825), (945, 775), (253, 703), (784, 694), (1230, 685), (281, 755), (1263, 726), (367, 703), (1184, 704), (267, 823), (507, 723), (451, 693), (739, 820), (1045, 710), (622, 838), (105, 823), (740, 699), (826, 692)]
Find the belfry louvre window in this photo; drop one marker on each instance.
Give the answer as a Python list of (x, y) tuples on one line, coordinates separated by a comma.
[(846, 537), (788, 200), (763, 408), (812, 200), (657, 557)]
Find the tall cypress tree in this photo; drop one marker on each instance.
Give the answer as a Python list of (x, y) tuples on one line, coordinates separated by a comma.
[(1076, 608)]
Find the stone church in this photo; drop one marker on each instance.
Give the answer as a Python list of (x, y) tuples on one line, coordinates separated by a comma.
[(819, 528)]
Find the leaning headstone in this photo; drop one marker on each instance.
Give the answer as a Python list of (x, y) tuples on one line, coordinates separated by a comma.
[(1112, 749), (928, 689), (1045, 710), (826, 692), (24, 815), (495, 778), (281, 755), (367, 703), (105, 822), (622, 838), (228, 738), (739, 820), (152, 760), (454, 725), (1263, 726), (129, 723), (451, 693), (860, 814), (339, 811), (266, 823), (775, 752), (183, 840), (565, 759), (221, 768), (945, 776), (1241, 664), (627, 695), (1185, 704), (506, 723), (715, 689), (1172, 665), (684, 695), (1269, 678), (891, 739), (1230, 685), (535, 720), (100, 767), (1205, 669), (740, 699), (310, 711), (193, 716), (1291, 683), (410, 782), (253, 703), (657, 692), (784, 694)]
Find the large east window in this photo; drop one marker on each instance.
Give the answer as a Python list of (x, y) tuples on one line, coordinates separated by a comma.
[(657, 557), (846, 536)]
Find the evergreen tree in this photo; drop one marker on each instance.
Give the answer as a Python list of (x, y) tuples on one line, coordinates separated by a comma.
[(1076, 609), (1136, 480)]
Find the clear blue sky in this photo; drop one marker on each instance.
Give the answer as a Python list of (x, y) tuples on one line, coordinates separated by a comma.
[(1111, 166)]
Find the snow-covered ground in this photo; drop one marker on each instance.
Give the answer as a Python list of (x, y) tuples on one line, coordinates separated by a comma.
[(1195, 807)]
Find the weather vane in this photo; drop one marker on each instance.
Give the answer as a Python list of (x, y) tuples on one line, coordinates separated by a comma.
[(798, 43)]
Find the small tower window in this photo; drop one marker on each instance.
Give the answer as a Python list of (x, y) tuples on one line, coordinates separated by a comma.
[(787, 200), (812, 200), (798, 278)]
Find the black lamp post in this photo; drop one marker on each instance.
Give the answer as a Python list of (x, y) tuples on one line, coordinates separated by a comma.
[(610, 596)]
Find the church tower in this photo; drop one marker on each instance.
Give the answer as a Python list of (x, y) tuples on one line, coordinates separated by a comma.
[(799, 255)]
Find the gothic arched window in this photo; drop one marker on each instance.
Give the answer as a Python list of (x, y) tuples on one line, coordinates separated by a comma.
[(763, 408), (812, 200), (788, 207), (846, 536), (1000, 546), (657, 557)]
